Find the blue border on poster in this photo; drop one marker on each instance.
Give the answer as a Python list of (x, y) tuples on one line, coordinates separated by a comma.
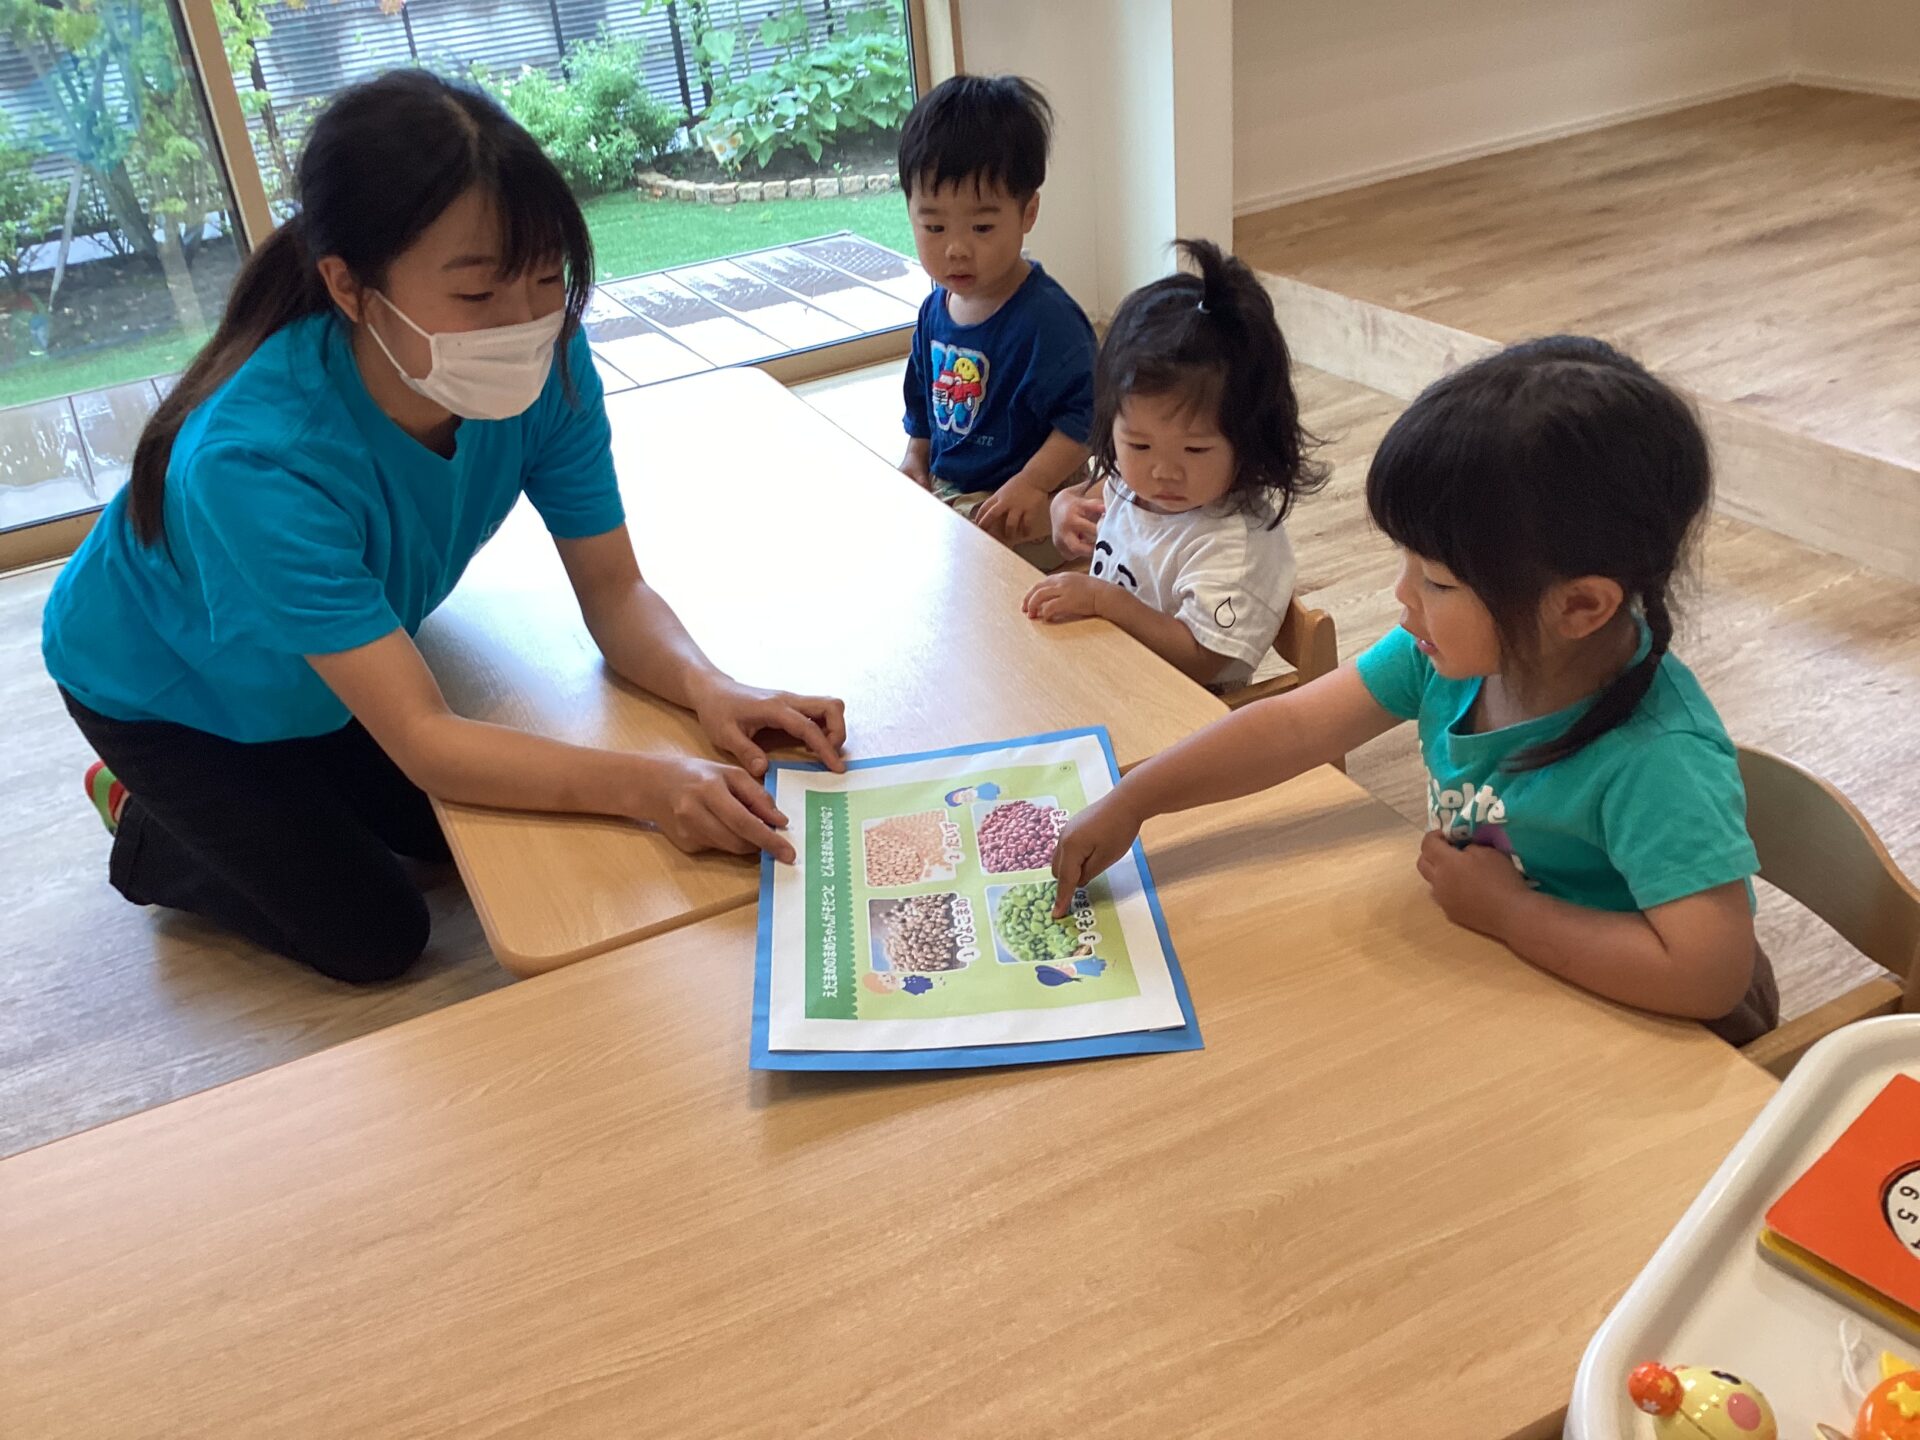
[(1143, 1042)]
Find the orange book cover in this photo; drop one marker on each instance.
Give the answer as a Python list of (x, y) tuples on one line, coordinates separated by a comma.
[(1855, 1213)]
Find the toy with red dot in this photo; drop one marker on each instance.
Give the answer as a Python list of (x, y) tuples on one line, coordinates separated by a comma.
[(1692, 1402)]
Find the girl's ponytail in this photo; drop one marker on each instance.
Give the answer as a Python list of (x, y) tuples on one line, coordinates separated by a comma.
[(278, 284), (1232, 294), (1617, 702), (1211, 266), (1209, 335), (1554, 459)]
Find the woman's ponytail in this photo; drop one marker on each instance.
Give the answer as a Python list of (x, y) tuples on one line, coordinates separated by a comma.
[(382, 162), (278, 284)]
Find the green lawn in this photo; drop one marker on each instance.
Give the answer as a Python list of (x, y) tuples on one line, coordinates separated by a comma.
[(48, 379), (631, 236)]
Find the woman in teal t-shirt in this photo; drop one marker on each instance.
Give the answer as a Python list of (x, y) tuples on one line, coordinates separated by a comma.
[(1584, 801), (398, 364)]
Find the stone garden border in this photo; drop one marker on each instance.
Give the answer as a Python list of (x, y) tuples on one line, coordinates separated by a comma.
[(749, 192)]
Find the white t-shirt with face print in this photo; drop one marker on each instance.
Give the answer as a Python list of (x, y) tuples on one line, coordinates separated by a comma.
[(1226, 573)]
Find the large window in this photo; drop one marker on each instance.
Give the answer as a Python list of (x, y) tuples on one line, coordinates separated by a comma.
[(734, 159), (116, 242)]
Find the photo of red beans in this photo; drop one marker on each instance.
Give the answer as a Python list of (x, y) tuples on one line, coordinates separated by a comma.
[(1019, 835)]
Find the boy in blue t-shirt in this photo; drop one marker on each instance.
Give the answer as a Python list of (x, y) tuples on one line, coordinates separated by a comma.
[(999, 386)]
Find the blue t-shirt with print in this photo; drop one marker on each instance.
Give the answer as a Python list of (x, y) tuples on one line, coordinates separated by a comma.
[(1651, 812), (988, 395), (300, 520)]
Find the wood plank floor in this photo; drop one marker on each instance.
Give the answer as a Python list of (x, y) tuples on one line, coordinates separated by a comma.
[(106, 1009), (1758, 250)]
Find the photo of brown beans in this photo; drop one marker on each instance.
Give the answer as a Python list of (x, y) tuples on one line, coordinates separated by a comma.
[(907, 849), (1018, 835), (925, 933)]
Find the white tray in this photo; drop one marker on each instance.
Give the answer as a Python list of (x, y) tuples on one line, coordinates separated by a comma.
[(1708, 1298)]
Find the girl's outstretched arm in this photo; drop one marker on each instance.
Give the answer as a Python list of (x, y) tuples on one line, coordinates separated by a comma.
[(1252, 749)]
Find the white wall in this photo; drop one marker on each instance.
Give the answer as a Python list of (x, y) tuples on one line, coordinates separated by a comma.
[(1203, 81), (1339, 92), (1043, 42), (1172, 114), (1143, 140), (1137, 156), (1868, 44)]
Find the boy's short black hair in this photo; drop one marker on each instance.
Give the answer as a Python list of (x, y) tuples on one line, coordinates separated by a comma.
[(989, 129)]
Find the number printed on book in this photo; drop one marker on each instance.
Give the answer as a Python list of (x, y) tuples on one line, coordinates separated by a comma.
[(1903, 1207)]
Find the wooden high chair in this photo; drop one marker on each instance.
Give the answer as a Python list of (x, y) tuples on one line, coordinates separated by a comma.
[(1306, 642), (1818, 848)]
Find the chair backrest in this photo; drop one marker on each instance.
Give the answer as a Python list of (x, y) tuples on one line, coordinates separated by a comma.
[(1818, 848), (1307, 642)]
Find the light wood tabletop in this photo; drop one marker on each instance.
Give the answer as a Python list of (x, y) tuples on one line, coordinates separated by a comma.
[(799, 561), (1393, 1196)]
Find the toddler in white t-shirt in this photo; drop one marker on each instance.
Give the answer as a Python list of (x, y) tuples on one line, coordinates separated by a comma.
[(1198, 455)]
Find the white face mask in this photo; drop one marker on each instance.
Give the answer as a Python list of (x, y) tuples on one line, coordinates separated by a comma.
[(483, 374)]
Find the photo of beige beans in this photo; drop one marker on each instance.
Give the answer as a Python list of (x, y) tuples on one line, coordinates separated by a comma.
[(925, 934), (907, 849)]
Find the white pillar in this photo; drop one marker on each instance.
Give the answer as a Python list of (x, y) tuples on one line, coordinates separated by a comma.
[(1142, 92), (1203, 119)]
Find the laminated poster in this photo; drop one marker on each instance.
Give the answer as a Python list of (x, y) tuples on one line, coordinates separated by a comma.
[(915, 929)]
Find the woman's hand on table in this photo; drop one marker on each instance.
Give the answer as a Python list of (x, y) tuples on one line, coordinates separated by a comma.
[(705, 805), (1090, 844), (732, 714)]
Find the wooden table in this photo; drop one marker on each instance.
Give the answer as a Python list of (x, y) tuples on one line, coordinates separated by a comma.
[(798, 560), (1393, 1196)]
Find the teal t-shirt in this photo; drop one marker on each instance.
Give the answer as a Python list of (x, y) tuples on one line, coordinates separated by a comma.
[(1651, 812), (300, 520)]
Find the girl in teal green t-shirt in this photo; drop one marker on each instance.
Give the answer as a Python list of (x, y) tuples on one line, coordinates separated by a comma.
[(1584, 802)]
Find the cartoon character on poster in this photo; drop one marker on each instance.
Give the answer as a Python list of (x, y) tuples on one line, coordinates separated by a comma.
[(885, 982), (1068, 972), (959, 386), (967, 794)]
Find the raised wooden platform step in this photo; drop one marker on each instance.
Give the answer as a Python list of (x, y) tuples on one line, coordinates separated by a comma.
[(1755, 251)]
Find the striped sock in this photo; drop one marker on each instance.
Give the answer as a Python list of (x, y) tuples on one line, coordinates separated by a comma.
[(108, 795)]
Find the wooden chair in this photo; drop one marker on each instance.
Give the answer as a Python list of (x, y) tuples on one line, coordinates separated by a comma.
[(1306, 642), (1818, 848)]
